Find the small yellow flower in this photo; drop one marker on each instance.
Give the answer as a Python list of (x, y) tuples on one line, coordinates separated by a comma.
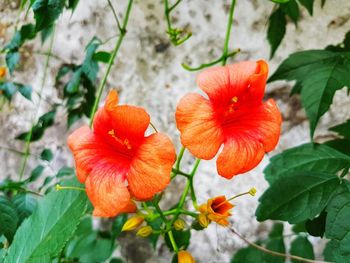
[(132, 223), (2, 72), (216, 209), (185, 257), (179, 224), (144, 231)]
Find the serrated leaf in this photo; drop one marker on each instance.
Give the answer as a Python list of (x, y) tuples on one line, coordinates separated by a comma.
[(48, 229), (291, 9), (25, 205), (46, 12), (332, 252), (342, 129), (337, 223), (330, 72), (276, 30), (8, 218), (302, 247), (46, 155), (308, 194), (248, 255), (308, 4), (306, 157), (35, 174)]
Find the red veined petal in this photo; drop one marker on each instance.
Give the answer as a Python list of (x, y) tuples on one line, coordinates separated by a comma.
[(107, 192), (90, 151), (240, 154), (150, 170), (223, 83), (200, 131), (263, 123), (257, 81), (121, 123)]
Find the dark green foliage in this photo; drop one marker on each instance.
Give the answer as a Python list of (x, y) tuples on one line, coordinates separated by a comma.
[(275, 243), (330, 72), (276, 30), (44, 122), (317, 226), (65, 171), (25, 204), (182, 239), (46, 155), (11, 88), (248, 255), (302, 247), (46, 12), (8, 218), (35, 174), (307, 195)]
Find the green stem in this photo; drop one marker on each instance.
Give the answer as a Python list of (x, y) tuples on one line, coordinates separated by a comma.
[(29, 137), (172, 240), (228, 32), (110, 63), (179, 158)]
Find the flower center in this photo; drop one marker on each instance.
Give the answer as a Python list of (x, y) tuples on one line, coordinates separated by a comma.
[(233, 104), (124, 142)]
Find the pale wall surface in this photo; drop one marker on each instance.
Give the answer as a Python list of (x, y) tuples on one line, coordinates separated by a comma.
[(156, 81)]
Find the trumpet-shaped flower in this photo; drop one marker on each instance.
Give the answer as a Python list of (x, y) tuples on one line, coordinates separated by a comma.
[(117, 162), (234, 115), (216, 209)]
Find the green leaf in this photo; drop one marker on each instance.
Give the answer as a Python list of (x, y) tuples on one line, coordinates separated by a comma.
[(276, 30), (26, 32), (306, 157), (46, 155), (25, 205), (337, 223), (308, 4), (275, 243), (12, 60), (317, 226), (45, 33), (65, 171), (8, 218), (25, 90), (280, 1), (248, 255), (308, 194), (90, 66), (73, 85), (332, 252), (341, 145), (182, 239), (102, 56), (44, 122), (302, 247), (46, 12), (8, 89), (118, 224), (72, 4), (329, 74), (342, 129), (36, 172), (42, 236), (291, 9)]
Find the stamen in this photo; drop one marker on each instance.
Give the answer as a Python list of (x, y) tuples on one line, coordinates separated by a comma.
[(123, 142), (234, 99)]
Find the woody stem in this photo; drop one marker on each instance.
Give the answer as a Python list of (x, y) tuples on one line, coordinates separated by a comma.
[(122, 30), (274, 253)]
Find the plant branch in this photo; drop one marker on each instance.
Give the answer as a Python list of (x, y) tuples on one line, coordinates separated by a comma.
[(274, 253), (122, 30)]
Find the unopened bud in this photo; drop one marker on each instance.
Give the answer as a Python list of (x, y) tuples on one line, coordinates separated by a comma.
[(179, 224), (203, 220), (132, 223), (185, 257), (144, 231), (252, 191), (2, 72)]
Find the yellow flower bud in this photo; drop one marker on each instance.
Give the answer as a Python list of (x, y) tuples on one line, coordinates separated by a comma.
[(132, 223), (144, 231), (2, 72), (185, 257), (179, 224), (203, 220), (252, 191)]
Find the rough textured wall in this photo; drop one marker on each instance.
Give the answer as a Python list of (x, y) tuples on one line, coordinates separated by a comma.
[(147, 72)]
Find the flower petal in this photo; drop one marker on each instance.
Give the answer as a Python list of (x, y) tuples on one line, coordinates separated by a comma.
[(263, 123), (150, 170), (107, 192), (89, 152), (240, 154), (127, 122), (200, 131), (223, 83)]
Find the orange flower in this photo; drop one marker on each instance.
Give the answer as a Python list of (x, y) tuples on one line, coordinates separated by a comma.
[(2, 72), (185, 257), (217, 209), (116, 161), (234, 115)]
